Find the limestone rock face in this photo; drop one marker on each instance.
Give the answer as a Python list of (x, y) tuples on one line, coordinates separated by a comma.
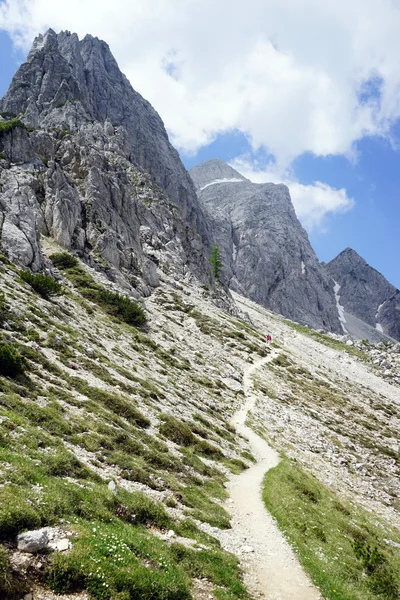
[(365, 293), (66, 82), (265, 251), (91, 166)]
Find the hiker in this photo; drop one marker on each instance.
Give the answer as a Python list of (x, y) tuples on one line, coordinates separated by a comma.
[(269, 339)]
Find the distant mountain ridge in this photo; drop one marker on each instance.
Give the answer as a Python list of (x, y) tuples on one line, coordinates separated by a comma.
[(366, 293), (266, 252)]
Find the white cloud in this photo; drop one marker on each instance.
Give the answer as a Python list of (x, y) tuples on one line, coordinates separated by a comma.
[(313, 203), (285, 73)]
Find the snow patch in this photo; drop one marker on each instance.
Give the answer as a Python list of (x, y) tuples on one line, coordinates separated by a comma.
[(379, 327), (224, 180), (340, 308), (303, 267), (379, 309)]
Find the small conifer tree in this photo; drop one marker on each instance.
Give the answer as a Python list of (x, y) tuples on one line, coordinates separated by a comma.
[(215, 261)]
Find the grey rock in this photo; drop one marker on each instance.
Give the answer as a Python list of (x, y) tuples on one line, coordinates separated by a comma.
[(96, 168), (66, 82), (247, 549), (265, 251), (365, 293), (33, 541)]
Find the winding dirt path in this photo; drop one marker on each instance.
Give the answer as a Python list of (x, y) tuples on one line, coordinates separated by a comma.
[(271, 569)]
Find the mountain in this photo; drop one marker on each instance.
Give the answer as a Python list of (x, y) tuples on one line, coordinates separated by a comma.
[(365, 293), (266, 252), (88, 162)]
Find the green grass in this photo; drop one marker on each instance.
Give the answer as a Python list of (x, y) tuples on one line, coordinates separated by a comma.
[(49, 414), (6, 126), (341, 547), (121, 307), (11, 362)]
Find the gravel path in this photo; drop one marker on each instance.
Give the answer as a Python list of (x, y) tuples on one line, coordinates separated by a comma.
[(271, 569)]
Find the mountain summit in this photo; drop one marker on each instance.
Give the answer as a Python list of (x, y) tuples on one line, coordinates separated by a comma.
[(266, 252), (66, 82), (93, 166), (365, 293)]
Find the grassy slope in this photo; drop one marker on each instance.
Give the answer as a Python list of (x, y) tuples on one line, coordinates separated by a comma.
[(65, 433), (344, 549)]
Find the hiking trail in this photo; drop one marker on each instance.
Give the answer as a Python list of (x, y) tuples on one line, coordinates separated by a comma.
[(271, 568)]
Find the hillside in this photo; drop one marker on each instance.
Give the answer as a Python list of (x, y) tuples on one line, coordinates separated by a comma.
[(153, 444), (104, 412)]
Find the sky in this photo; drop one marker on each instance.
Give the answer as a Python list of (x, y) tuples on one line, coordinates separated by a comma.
[(302, 92)]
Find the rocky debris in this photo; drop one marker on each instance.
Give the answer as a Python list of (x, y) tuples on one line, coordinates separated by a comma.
[(384, 356), (366, 293), (266, 253), (55, 539)]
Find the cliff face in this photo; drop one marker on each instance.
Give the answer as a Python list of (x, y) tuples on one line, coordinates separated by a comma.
[(91, 166), (266, 253), (365, 293)]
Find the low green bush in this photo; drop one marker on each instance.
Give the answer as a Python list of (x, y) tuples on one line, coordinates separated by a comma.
[(63, 260), (43, 284), (176, 431), (121, 307), (11, 361), (6, 126)]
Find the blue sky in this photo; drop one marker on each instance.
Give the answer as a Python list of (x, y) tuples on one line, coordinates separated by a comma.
[(288, 126)]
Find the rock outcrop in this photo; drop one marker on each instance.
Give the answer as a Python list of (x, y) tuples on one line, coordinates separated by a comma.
[(365, 293), (265, 251), (88, 162)]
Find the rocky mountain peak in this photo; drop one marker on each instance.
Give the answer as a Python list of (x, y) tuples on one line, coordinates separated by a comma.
[(88, 162), (214, 171), (266, 252), (366, 293), (67, 83)]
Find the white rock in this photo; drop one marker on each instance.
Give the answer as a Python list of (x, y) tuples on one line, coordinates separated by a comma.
[(171, 533), (112, 487), (63, 545), (246, 549), (33, 541)]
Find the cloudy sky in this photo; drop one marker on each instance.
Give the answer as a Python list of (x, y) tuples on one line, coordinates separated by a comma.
[(301, 91)]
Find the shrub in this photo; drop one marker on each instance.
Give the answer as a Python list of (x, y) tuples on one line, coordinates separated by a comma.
[(63, 260), (3, 309), (6, 126), (115, 304), (176, 431), (44, 285), (11, 362), (123, 308)]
